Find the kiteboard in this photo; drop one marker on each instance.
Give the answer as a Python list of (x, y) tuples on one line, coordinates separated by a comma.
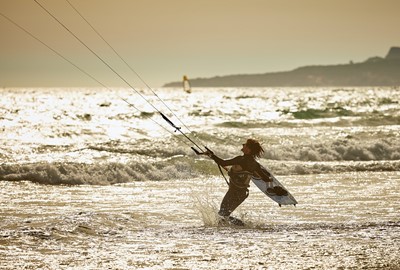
[(285, 199)]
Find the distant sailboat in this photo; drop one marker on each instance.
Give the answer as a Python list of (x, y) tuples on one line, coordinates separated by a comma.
[(186, 85)]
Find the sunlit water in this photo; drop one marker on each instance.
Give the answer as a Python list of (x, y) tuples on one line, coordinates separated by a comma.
[(90, 183)]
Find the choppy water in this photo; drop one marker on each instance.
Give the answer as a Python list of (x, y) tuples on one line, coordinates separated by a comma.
[(89, 182)]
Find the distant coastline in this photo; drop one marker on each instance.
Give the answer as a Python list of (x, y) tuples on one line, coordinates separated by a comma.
[(375, 71)]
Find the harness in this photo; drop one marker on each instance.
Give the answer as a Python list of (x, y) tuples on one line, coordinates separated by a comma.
[(240, 179)]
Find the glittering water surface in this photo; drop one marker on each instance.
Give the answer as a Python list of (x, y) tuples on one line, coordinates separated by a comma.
[(88, 182), (346, 220)]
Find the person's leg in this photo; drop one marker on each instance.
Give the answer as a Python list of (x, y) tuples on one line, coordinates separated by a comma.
[(233, 198)]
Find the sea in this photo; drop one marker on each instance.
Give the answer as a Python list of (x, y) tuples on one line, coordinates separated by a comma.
[(94, 178)]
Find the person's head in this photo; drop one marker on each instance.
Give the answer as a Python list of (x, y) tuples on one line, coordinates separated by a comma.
[(253, 147)]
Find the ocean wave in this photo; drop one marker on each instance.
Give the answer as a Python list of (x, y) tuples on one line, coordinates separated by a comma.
[(143, 147), (169, 169), (95, 174), (243, 125), (325, 113), (372, 120), (295, 168), (350, 148), (365, 145), (339, 150)]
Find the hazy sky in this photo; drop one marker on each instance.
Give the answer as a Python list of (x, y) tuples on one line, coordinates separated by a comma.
[(166, 39)]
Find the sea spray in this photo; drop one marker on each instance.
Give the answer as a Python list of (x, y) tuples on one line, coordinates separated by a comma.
[(205, 206)]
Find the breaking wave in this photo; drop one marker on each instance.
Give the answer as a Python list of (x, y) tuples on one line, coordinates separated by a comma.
[(340, 150), (180, 168), (94, 174)]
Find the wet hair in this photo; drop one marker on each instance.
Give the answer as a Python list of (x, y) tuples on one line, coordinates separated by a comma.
[(256, 149)]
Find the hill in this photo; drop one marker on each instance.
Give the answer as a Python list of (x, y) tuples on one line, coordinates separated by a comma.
[(375, 71)]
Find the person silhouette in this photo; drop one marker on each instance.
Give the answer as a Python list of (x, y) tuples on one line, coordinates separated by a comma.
[(240, 173)]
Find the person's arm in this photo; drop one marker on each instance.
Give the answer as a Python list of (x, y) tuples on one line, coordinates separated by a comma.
[(264, 175), (224, 162)]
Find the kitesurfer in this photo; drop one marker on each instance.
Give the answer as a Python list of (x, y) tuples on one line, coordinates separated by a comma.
[(243, 168)]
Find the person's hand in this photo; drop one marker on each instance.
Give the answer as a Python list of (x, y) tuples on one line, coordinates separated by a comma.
[(208, 152)]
